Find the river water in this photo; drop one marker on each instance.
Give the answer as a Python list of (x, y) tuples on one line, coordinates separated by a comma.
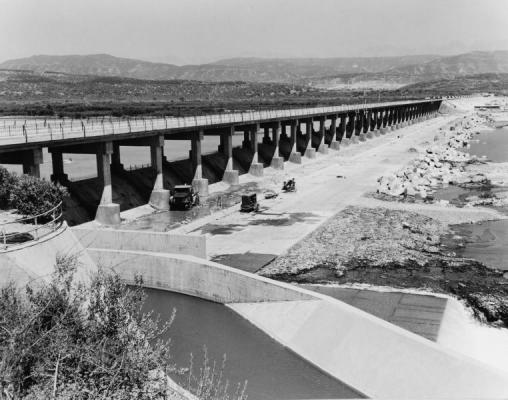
[(271, 370), (485, 241)]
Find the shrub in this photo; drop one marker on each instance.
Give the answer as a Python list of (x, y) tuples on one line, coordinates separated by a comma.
[(68, 341), (32, 196), (64, 340), (7, 181)]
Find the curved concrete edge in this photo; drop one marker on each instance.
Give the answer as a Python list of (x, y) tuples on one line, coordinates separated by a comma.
[(194, 276), (36, 259), (369, 354)]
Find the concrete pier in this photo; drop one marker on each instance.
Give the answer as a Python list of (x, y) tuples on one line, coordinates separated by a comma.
[(322, 147), (295, 156), (230, 175), (108, 213), (310, 152), (199, 183), (334, 144), (159, 198), (256, 168), (277, 161), (58, 175)]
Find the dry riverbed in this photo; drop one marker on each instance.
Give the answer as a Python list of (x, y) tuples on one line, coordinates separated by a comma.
[(390, 246), (400, 249)]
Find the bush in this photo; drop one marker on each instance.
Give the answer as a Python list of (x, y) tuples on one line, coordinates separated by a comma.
[(64, 340), (32, 196), (7, 181), (68, 341)]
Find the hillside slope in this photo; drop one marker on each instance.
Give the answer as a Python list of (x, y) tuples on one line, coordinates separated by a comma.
[(474, 63), (479, 83), (241, 69)]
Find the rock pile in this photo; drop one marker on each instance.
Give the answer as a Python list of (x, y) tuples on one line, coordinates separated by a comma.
[(440, 165)]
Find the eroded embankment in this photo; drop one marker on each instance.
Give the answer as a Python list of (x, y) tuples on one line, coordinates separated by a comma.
[(395, 248)]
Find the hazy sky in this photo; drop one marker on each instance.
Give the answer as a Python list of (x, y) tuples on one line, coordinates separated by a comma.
[(195, 31)]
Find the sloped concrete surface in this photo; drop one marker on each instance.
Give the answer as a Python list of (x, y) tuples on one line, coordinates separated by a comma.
[(418, 313), (368, 354), (35, 260), (371, 355)]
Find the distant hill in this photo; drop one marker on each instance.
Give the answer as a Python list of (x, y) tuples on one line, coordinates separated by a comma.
[(479, 83), (239, 69), (95, 64), (440, 68), (474, 63), (360, 73)]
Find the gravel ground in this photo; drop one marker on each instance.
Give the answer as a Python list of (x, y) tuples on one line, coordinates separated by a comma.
[(396, 248)]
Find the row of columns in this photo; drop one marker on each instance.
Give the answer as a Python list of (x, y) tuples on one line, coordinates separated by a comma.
[(344, 129)]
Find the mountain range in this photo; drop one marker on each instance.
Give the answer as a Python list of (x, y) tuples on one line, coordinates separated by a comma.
[(318, 71), (323, 73)]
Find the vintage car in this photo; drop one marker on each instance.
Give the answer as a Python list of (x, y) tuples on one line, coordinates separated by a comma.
[(249, 203), (289, 186), (183, 198)]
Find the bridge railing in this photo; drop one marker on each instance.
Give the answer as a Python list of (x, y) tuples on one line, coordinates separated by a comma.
[(31, 228), (31, 130)]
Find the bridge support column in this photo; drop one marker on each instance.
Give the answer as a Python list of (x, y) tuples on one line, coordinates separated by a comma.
[(277, 161), (376, 122), (266, 136), (199, 184), (310, 152), (322, 148), (116, 163), (159, 198), (32, 159), (295, 156), (58, 175), (364, 128), (334, 144), (357, 127), (230, 175), (256, 168), (344, 122), (369, 115), (108, 213)]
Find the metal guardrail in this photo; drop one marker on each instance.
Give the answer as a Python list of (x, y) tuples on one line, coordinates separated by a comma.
[(34, 228), (35, 130)]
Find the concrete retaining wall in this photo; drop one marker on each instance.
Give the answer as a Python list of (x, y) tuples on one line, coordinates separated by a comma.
[(194, 276), (373, 356), (159, 242), (36, 259)]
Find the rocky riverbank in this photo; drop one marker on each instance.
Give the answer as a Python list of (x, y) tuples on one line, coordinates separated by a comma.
[(400, 249), (445, 164), (438, 165)]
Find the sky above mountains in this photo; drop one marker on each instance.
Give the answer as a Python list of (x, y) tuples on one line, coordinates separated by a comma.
[(199, 31)]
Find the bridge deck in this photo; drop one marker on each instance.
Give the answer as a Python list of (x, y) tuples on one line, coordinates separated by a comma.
[(37, 131)]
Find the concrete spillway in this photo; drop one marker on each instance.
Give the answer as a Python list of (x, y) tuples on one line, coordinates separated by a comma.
[(369, 355)]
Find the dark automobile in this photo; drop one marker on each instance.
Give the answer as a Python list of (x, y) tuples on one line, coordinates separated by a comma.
[(249, 203), (184, 198), (289, 186)]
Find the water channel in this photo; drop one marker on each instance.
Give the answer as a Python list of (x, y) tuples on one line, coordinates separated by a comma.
[(271, 370)]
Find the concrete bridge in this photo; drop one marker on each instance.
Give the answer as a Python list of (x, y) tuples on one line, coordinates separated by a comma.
[(287, 135)]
